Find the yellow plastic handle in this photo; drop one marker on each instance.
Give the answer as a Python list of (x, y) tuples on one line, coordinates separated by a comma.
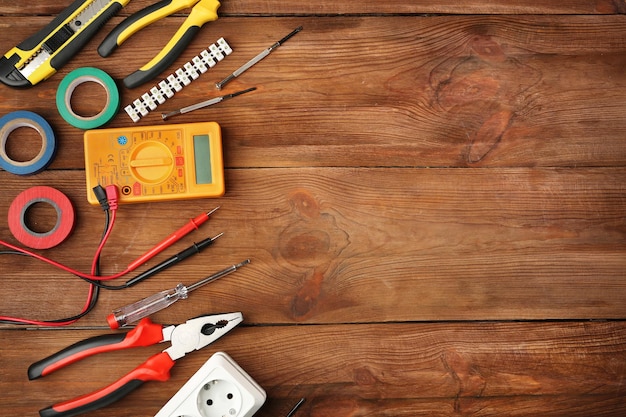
[(148, 15), (203, 12)]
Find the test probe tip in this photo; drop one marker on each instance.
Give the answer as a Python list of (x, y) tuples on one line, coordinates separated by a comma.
[(213, 211)]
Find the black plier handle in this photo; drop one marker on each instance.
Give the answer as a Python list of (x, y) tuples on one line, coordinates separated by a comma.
[(156, 368), (146, 333), (202, 11)]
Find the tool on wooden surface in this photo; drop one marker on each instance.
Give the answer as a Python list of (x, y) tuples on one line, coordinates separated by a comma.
[(174, 237), (295, 407), (108, 200), (157, 302), (155, 250), (203, 104), (202, 11), (180, 78), (173, 260), (256, 59), (156, 163), (192, 335), (40, 56)]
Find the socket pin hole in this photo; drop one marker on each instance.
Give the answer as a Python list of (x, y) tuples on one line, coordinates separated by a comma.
[(229, 396), (209, 402)]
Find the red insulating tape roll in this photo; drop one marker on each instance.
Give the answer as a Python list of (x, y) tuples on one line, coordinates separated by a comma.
[(41, 194)]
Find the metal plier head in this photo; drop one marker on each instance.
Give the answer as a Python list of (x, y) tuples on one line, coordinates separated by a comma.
[(197, 333)]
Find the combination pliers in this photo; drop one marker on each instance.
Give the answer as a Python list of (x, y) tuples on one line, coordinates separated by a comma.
[(192, 335)]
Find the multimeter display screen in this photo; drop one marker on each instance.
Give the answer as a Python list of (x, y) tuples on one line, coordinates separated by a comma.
[(202, 156)]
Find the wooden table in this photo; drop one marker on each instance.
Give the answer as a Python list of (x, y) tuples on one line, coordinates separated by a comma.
[(432, 195)]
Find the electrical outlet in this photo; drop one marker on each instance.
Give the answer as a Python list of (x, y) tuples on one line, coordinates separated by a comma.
[(220, 388)]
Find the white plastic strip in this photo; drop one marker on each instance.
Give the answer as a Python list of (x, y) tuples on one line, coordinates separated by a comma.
[(178, 80)]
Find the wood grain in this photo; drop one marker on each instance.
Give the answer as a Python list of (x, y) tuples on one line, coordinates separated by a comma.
[(431, 194), (362, 245), (292, 7), (391, 370), (450, 92)]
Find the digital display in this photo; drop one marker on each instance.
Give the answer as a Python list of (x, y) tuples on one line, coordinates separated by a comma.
[(202, 157)]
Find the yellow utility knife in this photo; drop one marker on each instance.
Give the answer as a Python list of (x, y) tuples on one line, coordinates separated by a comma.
[(40, 56), (202, 11)]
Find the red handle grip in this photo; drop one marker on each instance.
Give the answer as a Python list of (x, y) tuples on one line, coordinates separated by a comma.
[(145, 334), (156, 368)]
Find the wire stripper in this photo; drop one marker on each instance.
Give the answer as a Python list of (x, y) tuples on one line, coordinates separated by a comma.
[(202, 11), (40, 56)]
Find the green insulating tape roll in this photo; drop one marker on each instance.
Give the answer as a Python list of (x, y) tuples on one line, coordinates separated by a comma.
[(78, 77)]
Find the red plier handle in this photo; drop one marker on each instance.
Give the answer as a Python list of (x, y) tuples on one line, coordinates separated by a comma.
[(156, 368), (146, 333)]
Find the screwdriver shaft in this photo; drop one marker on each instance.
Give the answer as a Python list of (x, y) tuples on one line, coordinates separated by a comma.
[(203, 104), (216, 276), (256, 59)]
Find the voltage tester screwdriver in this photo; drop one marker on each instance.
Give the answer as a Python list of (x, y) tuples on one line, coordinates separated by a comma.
[(157, 302)]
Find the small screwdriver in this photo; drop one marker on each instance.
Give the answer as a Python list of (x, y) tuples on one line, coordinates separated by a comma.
[(203, 104), (157, 302), (256, 59)]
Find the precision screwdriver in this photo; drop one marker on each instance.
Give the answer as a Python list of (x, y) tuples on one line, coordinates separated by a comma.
[(203, 104), (256, 59), (157, 302)]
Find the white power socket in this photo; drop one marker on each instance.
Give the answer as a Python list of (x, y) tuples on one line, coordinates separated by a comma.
[(220, 388)]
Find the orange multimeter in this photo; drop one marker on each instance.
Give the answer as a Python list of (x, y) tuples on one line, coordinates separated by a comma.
[(156, 163)]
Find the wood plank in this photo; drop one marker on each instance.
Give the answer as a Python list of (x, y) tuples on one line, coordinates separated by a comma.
[(436, 91), (364, 245), (520, 369), (432, 197), (292, 7)]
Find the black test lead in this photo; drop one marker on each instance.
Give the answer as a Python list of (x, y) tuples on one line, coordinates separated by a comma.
[(173, 260), (256, 59), (206, 103)]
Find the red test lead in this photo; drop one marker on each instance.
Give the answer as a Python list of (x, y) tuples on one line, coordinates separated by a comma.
[(171, 239)]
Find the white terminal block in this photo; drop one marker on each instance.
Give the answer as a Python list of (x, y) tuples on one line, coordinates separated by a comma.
[(178, 80), (220, 388)]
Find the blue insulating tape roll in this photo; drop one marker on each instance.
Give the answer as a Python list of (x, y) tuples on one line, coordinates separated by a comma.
[(23, 118)]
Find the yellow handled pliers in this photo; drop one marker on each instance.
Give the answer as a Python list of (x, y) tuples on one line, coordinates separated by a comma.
[(202, 11)]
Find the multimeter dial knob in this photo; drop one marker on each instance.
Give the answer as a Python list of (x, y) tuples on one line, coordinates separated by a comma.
[(151, 162)]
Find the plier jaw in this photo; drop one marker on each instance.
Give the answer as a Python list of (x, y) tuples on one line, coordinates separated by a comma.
[(197, 333)]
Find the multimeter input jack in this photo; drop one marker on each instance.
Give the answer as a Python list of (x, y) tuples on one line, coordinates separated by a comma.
[(126, 190)]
